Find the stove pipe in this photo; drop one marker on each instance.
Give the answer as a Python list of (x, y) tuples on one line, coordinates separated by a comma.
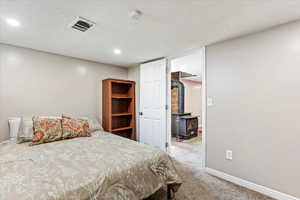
[(180, 86)]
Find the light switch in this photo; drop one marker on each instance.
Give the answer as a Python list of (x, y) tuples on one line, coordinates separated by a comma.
[(229, 155)]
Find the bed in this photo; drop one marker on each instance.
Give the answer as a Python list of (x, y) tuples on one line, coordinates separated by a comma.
[(101, 167)]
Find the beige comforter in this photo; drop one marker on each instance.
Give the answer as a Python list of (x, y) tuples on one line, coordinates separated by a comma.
[(103, 166)]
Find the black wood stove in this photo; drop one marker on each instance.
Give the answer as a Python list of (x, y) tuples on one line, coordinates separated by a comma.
[(184, 125)]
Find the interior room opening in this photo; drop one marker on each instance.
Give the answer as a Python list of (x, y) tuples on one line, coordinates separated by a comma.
[(186, 108)]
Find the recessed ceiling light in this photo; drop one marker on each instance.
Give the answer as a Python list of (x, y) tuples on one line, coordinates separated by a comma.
[(117, 51), (12, 22)]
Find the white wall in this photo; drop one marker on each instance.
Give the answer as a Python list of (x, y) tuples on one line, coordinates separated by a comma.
[(255, 82), (38, 83), (193, 98), (134, 75), (189, 63)]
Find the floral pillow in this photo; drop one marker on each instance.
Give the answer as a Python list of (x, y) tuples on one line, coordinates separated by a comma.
[(46, 130), (75, 127), (25, 133)]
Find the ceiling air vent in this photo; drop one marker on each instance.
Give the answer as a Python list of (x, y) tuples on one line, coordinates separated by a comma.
[(82, 24)]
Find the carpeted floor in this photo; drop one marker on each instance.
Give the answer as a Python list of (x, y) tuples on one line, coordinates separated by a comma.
[(198, 185)]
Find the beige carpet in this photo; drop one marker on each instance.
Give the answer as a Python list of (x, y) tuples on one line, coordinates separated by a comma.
[(193, 140), (197, 185)]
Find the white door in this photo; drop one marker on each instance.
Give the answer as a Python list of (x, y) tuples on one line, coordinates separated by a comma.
[(153, 104)]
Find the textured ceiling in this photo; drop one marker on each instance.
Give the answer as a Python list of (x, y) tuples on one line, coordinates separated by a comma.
[(168, 27)]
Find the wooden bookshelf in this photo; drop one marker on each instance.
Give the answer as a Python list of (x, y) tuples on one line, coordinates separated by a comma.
[(118, 107)]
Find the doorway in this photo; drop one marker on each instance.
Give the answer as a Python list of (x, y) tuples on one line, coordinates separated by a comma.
[(155, 105), (186, 92)]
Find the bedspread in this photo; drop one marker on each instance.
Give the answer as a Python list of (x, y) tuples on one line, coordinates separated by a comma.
[(101, 167)]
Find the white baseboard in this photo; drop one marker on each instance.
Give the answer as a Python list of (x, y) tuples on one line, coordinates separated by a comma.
[(252, 186)]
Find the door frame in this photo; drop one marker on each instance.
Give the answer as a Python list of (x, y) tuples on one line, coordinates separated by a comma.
[(202, 63)]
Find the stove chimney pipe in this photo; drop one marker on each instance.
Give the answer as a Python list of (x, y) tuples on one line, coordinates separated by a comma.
[(180, 86)]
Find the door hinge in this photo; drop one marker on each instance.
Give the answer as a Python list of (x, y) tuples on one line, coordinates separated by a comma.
[(167, 107), (167, 144)]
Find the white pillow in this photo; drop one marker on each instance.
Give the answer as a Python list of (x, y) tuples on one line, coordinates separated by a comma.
[(94, 123), (14, 124), (26, 131), (50, 117)]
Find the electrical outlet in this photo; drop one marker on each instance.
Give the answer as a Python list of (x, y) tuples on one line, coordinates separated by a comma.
[(229, 155)]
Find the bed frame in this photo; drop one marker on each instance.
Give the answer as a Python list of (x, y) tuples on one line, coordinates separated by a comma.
[(169, 193)]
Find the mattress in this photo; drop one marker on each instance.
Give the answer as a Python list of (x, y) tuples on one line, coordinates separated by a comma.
[(103, 166)]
